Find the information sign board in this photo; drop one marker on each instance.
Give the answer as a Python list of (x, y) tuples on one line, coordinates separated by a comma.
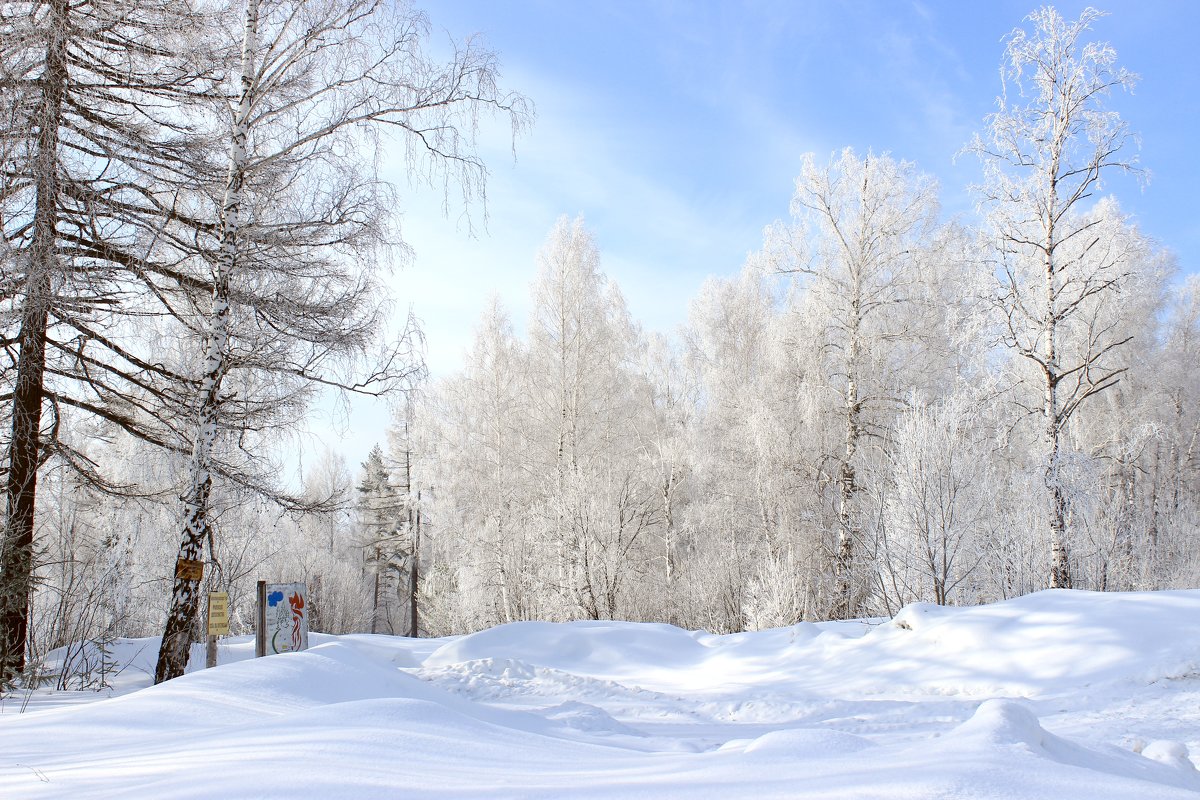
[(285, 614), (189, 570), (218, 613)]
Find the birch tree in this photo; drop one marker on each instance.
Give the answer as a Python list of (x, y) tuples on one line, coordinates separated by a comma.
[(302, 214), (596, 506), (1044, 153), (664, 446), (859, 226), (750, 563), (1176, 459), (484, 477), (941, 501)]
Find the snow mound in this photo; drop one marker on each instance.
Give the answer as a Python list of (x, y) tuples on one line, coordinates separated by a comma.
[(1003, 722), (1173, 754), (920, 616), (1000, 725), (581, 647), (587, 719), (807, 743), (1029, 646)]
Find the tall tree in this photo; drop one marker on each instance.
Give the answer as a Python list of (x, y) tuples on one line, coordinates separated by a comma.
[(381, 512), (484, 481), (596, 505), (1177, 456), (860, 223), (663, 443), (404, 442), (95, 96), (751, 452), (301, 216), (1046, 149)]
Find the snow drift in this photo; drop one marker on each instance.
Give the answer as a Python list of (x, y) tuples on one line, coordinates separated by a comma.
[(1058, 694)]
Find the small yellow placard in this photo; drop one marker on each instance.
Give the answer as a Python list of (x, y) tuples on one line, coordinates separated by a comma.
[(218, 613), (189, 570)]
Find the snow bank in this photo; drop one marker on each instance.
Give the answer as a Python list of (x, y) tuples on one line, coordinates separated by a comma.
[(1051, 695)]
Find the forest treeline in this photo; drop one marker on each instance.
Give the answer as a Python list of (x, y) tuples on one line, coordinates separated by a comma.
[(882, 406)]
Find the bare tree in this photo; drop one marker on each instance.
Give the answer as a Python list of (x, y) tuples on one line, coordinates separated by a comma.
[(941, 500), (860, 222), (1045, 151), (476, 421), (595, 503), (92, 95), (301, 216)]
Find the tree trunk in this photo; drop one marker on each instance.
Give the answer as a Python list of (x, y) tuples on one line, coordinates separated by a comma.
[(16, 564), (375, 593), (843, 600), (414, 576), (844, 557), (668, 491), (1060, 566), (177, 636)]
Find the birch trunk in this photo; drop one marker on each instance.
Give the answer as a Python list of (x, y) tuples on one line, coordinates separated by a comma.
[(414, 575), (177, 636), (1060, 567), (1048, 145), (848, 487)]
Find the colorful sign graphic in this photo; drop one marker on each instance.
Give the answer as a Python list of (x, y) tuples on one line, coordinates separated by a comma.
[(287, 618)]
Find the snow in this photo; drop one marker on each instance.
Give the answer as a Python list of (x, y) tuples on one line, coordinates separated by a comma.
[(1059, 694)]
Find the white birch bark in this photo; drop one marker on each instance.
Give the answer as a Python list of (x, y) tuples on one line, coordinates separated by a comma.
[(173, 653), (1042, 161), (861, 224)]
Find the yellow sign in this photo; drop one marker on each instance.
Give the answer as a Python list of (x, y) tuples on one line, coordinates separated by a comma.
[(218, 613), (189, 570)]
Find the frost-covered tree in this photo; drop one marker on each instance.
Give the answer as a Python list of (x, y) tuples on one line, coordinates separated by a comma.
[(96, 139), (327, 554), (1169, 469), (584, 412), (1044, 153), (406, 442), (545, 493), (859, 226), (381, 512), (299, 217), (664, 446), (485, 487), (940, 505), (751, 459)]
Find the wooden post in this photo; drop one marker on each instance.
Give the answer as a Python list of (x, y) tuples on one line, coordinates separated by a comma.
[(210, 654), (260, 621)]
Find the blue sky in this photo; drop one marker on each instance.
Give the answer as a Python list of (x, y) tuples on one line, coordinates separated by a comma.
[(677, 128)]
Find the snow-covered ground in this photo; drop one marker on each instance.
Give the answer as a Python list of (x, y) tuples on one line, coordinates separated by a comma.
[(1055, 695)]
